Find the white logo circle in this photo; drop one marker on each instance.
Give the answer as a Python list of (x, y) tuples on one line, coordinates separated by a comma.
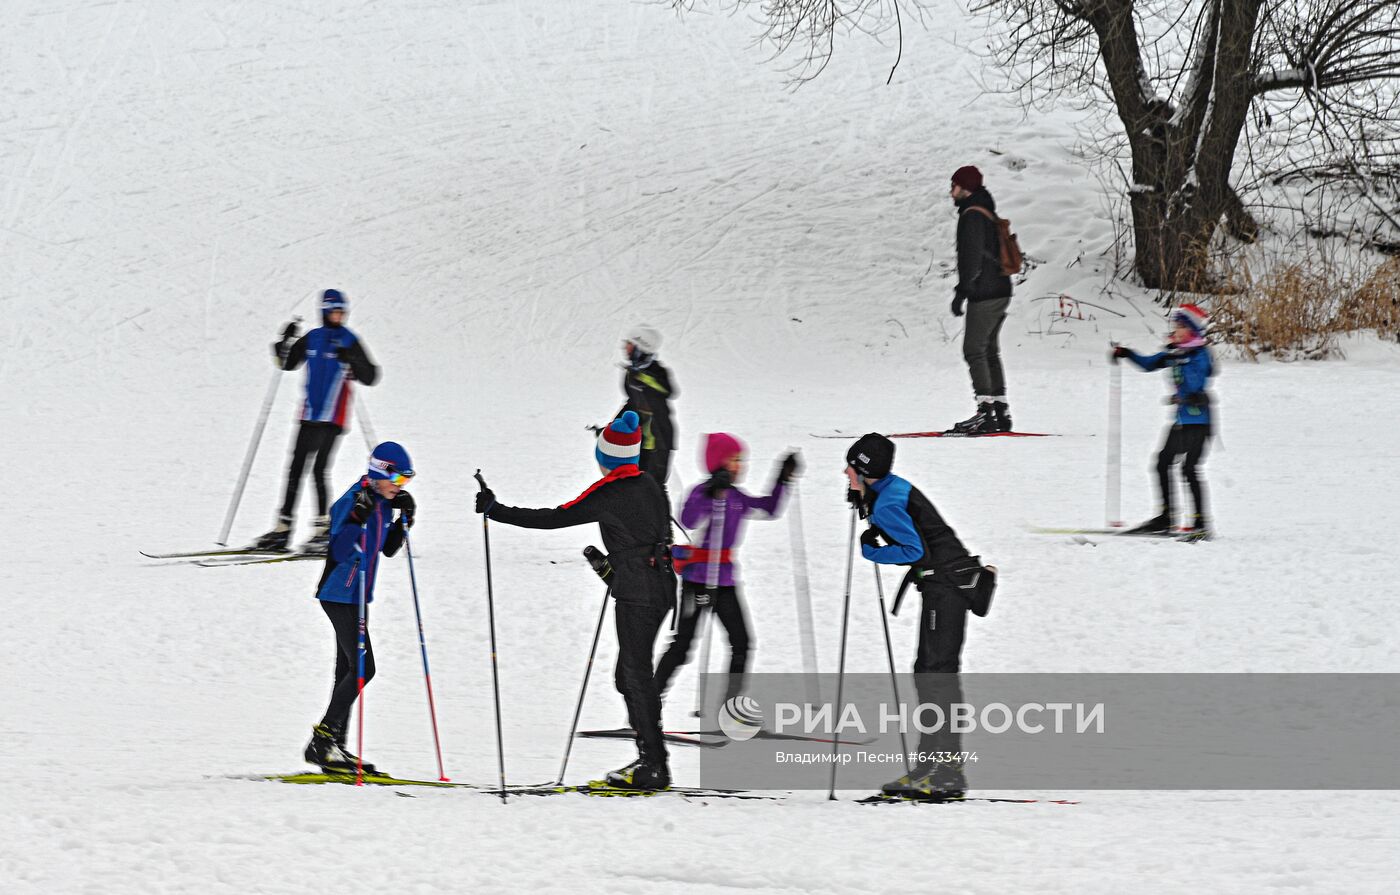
[(740, 718)]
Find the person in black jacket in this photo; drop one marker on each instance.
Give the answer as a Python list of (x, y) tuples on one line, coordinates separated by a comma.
[(334, 357), (986, 291), (916, 535), (634, 518), (647, 385)]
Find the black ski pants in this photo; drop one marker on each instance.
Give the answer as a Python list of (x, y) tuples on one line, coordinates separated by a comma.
[(942, 626), (657, 463), (982, 345), (1188, 443), (318, 440), (345, 619), (729, 609), (637, 627)]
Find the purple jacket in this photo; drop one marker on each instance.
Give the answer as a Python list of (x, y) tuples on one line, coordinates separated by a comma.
[(737, 506)]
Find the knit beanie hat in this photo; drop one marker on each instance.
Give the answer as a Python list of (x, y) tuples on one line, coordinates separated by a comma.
[(719, 448), (1192, 316), (968, 177), (872, 456), (620, 444), (388, 460)]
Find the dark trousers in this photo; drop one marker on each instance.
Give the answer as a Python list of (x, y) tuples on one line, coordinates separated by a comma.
[(637, 626), (942, 625), (345, 619), (318, 440), (657, 463), (1189, 443), (729, 609), (982, 347)]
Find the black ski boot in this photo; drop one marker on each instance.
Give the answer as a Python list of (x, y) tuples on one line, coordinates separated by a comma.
[(983, 422), (1161, 524), (276, 541), (320, 541), (1003, 416), (327, 751), (641, 774)]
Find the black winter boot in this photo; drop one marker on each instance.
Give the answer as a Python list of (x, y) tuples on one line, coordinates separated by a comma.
[(983, 422), (1003, 416), (276, 540), (1161, 524), (642, 774), (327, 751)]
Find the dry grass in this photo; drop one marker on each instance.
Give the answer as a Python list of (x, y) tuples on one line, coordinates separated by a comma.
[(1298, 310)]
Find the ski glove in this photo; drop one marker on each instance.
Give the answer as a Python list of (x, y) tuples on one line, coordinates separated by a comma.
[(363, 506), (719, 481), (857, 500), (406, 506), (485, 500), (957, 305), (870, 538), (1120, 351), (792, 465), (284, 345)]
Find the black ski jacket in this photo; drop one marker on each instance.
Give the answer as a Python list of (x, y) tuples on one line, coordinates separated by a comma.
[(649, 392), (631, 511), (979, 255)]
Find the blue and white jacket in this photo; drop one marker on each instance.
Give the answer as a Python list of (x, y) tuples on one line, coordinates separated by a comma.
[(340, 581), (915, 533), (1191, 370), (334, 356)]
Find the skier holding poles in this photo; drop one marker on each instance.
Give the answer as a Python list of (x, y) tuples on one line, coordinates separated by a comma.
[(950, 582), (334, 357), (1188, 356), (709, 575), (362, 527), (634, 519)]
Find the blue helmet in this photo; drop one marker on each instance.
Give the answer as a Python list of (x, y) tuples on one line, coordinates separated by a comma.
[(390, 461)]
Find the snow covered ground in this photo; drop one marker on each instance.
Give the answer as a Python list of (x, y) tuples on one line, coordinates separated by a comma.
[(500, 188)]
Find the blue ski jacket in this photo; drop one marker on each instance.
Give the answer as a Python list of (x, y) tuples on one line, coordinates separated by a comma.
[(1191, 370), (334, 357), (340, 580), (916, 533)]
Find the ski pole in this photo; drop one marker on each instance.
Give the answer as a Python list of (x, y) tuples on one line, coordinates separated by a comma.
[(248, 457), (841, 665), (713, 543), (894, 680), (360, 664), (803, 591), (366, 427), (1113, 472), (423, 648), (587, 670), (491, 619)]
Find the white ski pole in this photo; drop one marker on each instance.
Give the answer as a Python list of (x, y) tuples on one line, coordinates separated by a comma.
[(248, 457), (1113, 473), (803, 590), (714, 539)]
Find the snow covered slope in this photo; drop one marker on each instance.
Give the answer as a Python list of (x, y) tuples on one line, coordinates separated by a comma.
[(500, 188)]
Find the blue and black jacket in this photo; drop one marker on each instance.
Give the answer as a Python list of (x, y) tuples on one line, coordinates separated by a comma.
[(340, 581), (334, 357), (914, 532), (1191, 370)]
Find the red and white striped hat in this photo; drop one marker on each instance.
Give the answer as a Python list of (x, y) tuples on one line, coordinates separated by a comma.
[(620, 443), (1193, 316)]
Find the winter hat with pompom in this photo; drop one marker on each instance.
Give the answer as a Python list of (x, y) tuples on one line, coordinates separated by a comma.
[(620, 444)]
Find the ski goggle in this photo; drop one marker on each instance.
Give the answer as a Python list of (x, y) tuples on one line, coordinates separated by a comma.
[(398, 476)]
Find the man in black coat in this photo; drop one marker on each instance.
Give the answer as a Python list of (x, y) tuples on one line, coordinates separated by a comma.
[(986, 291), (634, 518)]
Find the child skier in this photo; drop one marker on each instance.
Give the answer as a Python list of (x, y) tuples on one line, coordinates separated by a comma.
[(334, 357), (362, 526), (709, 576), (1188, 357), (916, 536), (632, 514), (647, 385)]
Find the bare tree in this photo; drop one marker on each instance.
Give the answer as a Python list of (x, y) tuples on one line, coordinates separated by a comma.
[(1188, 80)]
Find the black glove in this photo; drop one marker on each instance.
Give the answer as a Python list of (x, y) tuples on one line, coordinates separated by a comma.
[(598, 561), (857, 500), (720, 480), (284, 345), (406, 506), (957, 305), (485, 500), (870, 538), (1120, 351), (792, 465), (362, 508)]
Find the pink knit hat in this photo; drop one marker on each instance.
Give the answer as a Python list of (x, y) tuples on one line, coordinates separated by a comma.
[(719, 447)]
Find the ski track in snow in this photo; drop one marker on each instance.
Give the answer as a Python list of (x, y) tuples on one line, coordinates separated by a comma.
[(500, 189)]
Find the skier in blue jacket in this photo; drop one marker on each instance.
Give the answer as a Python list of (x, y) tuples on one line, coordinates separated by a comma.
[(1188, 357), (334, 357), (362, 527)]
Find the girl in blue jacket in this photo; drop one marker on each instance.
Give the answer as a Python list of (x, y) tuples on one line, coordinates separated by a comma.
[(362, 527), (1188, 357)]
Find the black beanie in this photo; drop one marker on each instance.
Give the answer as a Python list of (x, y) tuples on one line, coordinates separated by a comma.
[(872, 456)]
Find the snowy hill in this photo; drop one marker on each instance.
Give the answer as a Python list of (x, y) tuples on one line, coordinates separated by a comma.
[(500, 189)]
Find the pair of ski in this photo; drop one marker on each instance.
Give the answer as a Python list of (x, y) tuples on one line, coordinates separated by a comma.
[(235, 556), (712, 739), (1083, 535), (945, 434)]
